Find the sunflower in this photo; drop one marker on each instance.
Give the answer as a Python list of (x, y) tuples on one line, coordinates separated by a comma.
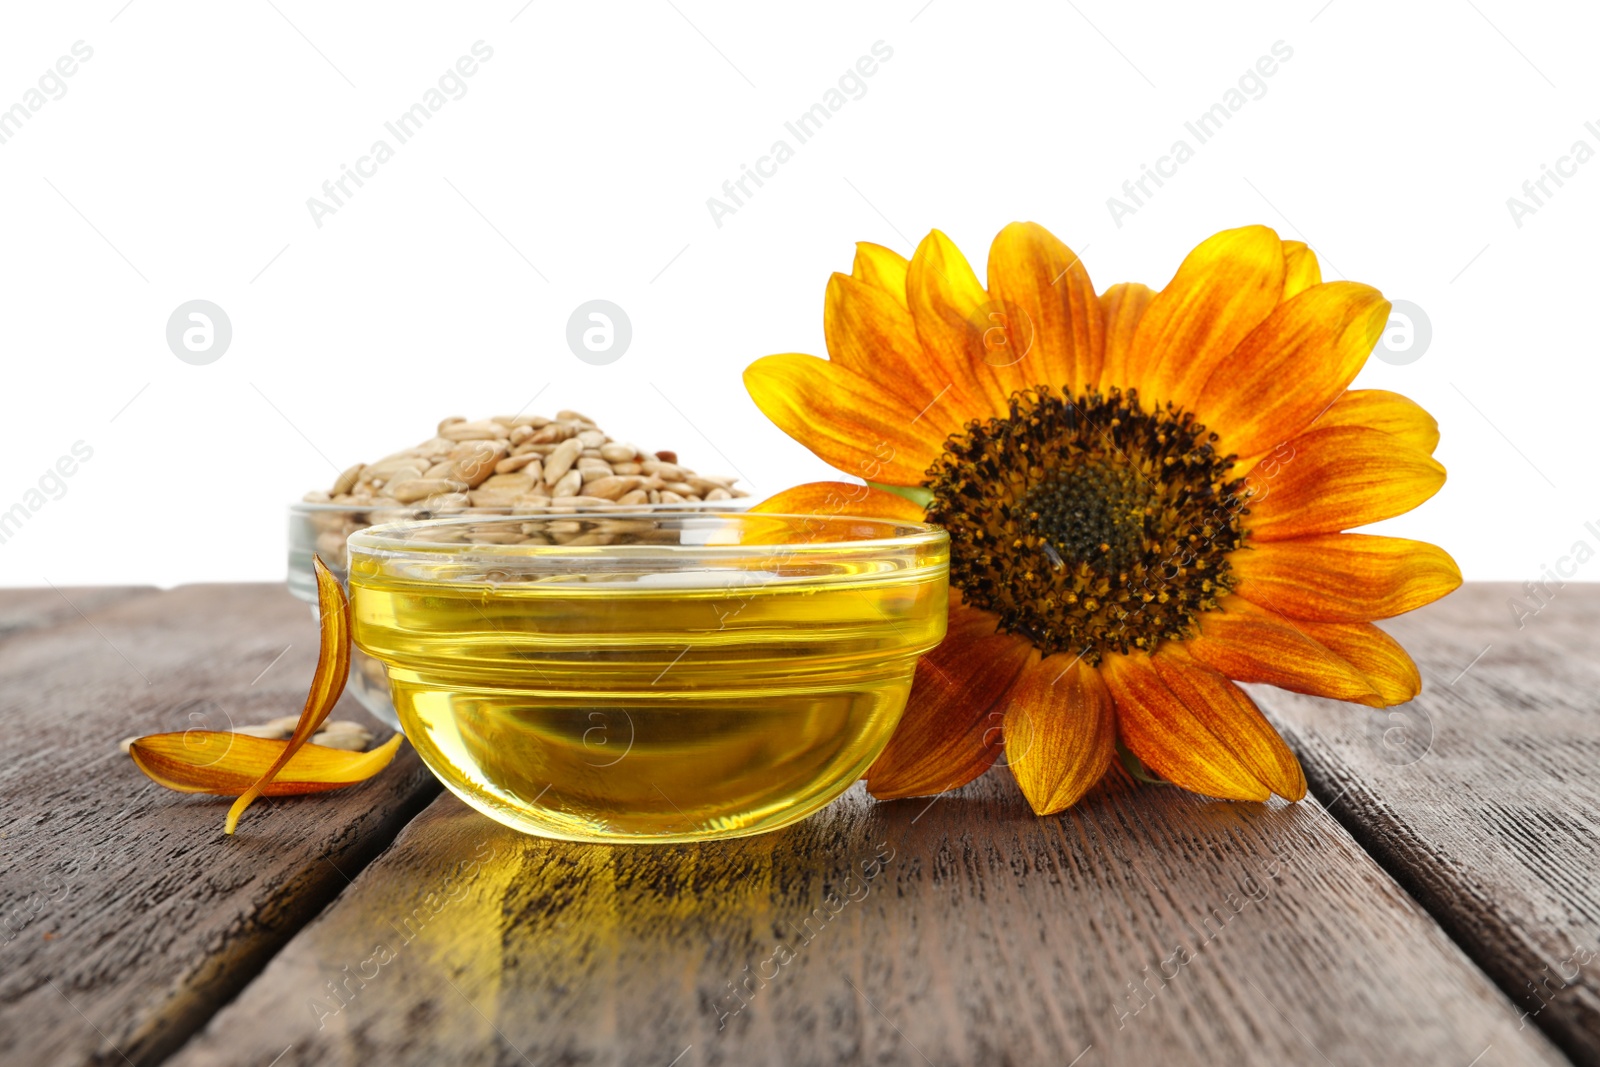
[(1147, 495)]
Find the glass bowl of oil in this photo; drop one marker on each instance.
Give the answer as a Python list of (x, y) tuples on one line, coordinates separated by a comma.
[(647, 677)]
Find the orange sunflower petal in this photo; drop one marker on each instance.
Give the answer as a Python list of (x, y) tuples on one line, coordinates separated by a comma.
[(961, 328), (1233, 717), (1044, 289), (1060, 733), (1337, 478), (1292, 366), (882, 268), (870, 332), (1222, 291), (1121, 308), (227, 764), (1379, 409), (1372, 652), (951, 731), (841, 417), (1300, 269), (1344, 577), (1250, 645), (1178, 740), (840, 498), (327, 684)]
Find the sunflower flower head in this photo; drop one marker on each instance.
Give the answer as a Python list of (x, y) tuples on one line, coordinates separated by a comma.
[(1147, 495)]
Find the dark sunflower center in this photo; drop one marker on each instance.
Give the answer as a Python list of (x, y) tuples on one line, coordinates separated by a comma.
[(1089, 525), (1091, 510)]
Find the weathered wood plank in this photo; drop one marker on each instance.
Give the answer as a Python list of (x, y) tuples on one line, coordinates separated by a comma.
[(1483, 794), (1145, 926), (128, 916), (25, 609)]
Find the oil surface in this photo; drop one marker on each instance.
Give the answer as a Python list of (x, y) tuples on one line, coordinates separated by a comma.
[(636, 713)]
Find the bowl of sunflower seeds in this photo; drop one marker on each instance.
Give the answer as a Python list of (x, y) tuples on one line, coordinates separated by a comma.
[(504, 465)]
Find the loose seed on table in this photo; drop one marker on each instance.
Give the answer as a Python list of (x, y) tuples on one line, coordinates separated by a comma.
[(268, 731), (348, 742)]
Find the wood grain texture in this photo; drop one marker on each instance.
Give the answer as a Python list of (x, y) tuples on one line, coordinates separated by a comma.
[(25, 609), (1144, 926), (1482, 795), (127, 916)]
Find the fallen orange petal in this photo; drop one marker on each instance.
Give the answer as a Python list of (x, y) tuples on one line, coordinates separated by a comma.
[(333, 670), (227, 764), (239, 765)]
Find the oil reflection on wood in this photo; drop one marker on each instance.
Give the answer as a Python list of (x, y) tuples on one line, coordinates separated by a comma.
[(1148, 924)]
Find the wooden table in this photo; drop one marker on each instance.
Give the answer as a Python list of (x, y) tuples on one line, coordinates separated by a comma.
[(1436, 900)]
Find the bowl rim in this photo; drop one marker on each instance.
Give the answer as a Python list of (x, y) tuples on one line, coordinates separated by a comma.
[(379, 540)]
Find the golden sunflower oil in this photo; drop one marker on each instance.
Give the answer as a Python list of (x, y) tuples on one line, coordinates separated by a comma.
[(654, 709)]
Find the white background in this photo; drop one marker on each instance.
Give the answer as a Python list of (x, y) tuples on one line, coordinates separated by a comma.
[(578, 164)]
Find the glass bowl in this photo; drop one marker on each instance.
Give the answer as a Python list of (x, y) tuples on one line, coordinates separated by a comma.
[(322, 529), (644, 677)]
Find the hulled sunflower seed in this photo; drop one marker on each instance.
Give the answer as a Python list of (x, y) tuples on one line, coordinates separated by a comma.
[(612, 486), (503, 463), (267, 730), (557, 463), (347, 480), (567, 485), (346, 741), (414, 489), (515, 463)]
